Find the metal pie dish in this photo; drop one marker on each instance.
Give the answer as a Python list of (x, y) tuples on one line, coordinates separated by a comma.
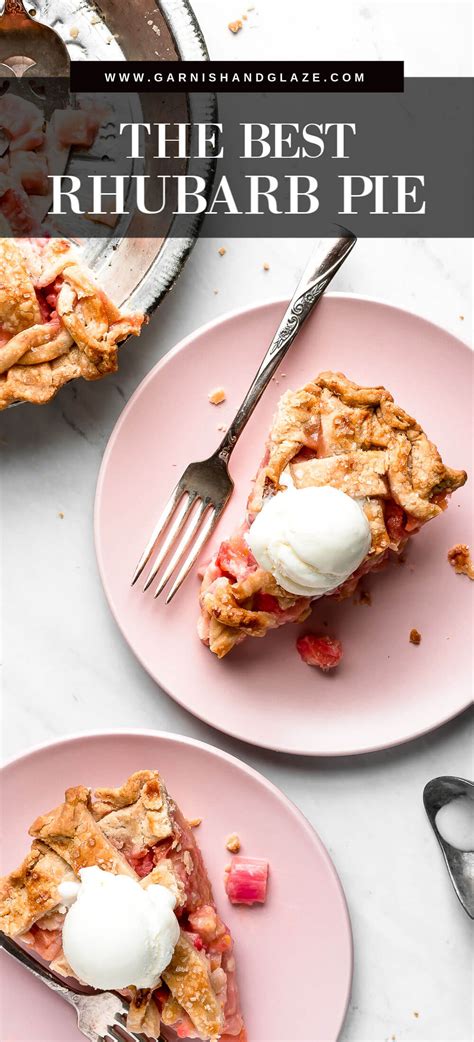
[(136, 272)]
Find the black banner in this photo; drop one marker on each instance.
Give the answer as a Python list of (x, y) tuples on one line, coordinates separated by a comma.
[(357, 77), (242, 165)]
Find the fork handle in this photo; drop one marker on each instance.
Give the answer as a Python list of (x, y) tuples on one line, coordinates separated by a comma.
[(14, 7), (324, 262), (36, 968)]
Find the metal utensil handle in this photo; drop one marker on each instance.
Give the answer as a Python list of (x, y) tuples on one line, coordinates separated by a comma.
[(325, 261), (40, 972), (14, 7)]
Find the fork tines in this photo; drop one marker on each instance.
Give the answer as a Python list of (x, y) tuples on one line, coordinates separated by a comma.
[(123, 1035), (186, 510)]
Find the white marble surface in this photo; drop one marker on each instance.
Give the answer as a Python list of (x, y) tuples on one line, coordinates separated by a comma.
[(66, 667)]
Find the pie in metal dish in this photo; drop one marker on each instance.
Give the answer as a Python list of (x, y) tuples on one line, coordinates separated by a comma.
[(56, 323), (331, 433), (135, 831)]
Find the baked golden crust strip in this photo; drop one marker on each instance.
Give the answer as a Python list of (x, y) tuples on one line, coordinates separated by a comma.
[(71, 831), (83, 332)]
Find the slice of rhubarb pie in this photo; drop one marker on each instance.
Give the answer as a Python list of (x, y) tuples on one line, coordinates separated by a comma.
[(55, 322), (347, 478), (95, 898)]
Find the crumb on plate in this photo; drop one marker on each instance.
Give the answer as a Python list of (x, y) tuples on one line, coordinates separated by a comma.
[(363, 597), (233, 843), (60, 514), (459, 558), (236, 26), (222, 251), (194, 823), (266, 266), (217, 395), (415, 637), (74, 32)]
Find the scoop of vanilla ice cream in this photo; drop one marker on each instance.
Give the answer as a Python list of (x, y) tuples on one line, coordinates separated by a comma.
[(310, 539), (117, 934)]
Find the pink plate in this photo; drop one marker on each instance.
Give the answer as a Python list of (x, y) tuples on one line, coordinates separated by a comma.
[(305, 910), (386, 689)]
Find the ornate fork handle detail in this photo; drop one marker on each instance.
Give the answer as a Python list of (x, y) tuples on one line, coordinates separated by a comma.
[(324, 262), (14, 7)]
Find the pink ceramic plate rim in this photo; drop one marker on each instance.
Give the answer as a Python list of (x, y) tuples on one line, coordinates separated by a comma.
[(346, 938), (446, 715)]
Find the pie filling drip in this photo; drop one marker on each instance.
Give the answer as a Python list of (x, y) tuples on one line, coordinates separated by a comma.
[(355, 439), (135, 830)]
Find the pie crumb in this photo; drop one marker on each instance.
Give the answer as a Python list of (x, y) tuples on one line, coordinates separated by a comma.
[(217, 395), (416, 1014), (60, 514), (233, 843), (415, 637), (236, 26), (222, 251), (194, 823), (74, 32), (363, 598), (459, 558), (266, 267)]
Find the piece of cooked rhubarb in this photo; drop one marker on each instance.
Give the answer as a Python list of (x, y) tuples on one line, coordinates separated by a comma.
[(324, 652), (246, 881)]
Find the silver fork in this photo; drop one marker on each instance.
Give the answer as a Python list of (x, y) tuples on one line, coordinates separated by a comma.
[(101, 1017), (204, 488)]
